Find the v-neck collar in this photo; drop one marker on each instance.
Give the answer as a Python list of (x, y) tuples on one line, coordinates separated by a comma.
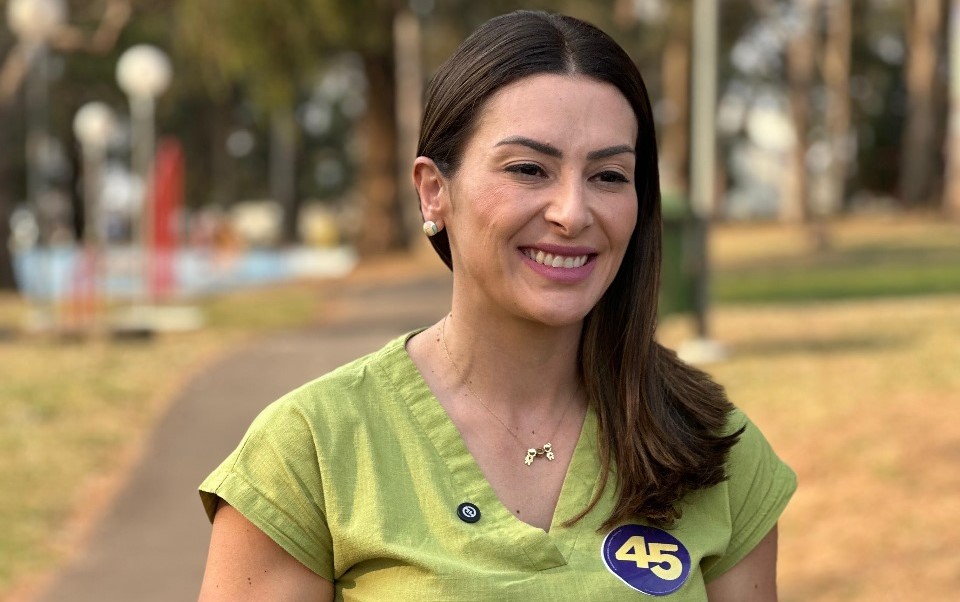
[(544, 550)]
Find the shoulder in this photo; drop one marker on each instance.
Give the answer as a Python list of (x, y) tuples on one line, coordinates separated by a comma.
[(329, 411), (351, 391), (750, 501), (753, 470), (289, 444), (752, 450)]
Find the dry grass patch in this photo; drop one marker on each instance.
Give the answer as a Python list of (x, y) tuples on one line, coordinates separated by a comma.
[(74, 415), (71, 416), (862, 399)]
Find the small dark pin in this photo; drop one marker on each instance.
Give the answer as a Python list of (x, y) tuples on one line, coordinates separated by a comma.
[(468, 513)]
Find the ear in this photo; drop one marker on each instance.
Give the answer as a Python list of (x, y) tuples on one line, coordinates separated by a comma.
[(432, 188)]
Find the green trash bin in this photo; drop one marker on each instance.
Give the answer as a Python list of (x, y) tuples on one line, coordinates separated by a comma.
[(677, 278)]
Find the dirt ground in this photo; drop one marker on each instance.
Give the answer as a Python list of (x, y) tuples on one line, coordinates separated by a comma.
[(862, 399)]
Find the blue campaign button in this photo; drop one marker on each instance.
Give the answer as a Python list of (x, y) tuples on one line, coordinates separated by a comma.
[(468, 512), (648, 559)]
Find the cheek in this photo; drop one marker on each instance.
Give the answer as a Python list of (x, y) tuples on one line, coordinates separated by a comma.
[(478, 213), (629, 225), (621, 222), (488, 208)]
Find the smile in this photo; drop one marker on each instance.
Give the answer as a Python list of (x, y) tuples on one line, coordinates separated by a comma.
[(556, 261)]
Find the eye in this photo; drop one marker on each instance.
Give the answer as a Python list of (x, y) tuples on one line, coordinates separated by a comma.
[(612, 177), (526, 169)]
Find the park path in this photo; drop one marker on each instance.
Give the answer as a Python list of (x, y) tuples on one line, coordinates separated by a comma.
[(152, 543)]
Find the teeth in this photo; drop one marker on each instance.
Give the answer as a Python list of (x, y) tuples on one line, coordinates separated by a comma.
[(556, 261)]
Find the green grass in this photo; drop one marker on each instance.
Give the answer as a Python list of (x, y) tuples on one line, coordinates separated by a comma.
[(864, 261), (880, 278)]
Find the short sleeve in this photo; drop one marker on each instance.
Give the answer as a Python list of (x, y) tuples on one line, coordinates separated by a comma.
[(759, 485), (273, 478)]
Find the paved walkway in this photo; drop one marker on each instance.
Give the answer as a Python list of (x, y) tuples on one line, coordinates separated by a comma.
[(152, 544)]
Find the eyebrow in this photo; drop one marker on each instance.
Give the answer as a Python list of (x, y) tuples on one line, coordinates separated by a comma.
[(603, 153), (552, 151)]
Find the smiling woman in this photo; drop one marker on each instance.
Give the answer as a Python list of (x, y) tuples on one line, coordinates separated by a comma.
[(536, 442), (548, 174)]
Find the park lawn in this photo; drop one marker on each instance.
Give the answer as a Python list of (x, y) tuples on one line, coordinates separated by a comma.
[(865, 257), (862, 399), (859, 395), (73, 416), (848, 360)]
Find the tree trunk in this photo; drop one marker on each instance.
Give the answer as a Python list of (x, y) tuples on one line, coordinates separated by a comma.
[(7, 200), (382, 228), (675, 145), (836, 73), (409, 109), (7, 280), (283, 169), (951, 199), (919, 149), (800, 69)]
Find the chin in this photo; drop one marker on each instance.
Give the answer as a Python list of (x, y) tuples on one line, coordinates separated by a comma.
[(559, 317)]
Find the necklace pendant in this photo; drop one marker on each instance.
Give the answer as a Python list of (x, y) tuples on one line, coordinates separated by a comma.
[(533, 452)]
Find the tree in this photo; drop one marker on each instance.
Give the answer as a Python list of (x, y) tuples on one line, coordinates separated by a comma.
[(668, 29), (803, 49), (675, 82), (99, 39), (836, 75), (801, 63), (269, 47), (951, 199), (919, 159)]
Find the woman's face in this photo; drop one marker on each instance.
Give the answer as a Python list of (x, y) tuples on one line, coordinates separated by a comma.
[(541, 210)]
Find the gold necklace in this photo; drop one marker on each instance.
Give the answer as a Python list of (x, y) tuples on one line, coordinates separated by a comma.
[(533, 452)]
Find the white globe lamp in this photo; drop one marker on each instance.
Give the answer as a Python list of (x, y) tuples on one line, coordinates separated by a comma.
[(144, 71), (34, 21), (93, 125)]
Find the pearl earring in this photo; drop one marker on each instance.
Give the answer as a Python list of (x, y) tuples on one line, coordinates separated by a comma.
[(430, 228)]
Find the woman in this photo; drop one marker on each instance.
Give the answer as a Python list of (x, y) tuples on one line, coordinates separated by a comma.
[(536, 443)]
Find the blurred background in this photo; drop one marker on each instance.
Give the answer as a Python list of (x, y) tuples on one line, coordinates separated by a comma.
[(180, 179)]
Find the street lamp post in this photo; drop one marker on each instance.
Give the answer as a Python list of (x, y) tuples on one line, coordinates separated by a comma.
[(93, 126), (143, 73), (703, 349), (33, 22)]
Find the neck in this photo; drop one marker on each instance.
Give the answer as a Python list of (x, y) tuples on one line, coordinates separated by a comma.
[(516, 366)]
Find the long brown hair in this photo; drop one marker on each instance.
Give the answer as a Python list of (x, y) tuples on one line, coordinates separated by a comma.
[(661, 421)]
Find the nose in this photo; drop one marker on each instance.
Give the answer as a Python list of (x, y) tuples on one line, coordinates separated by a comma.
[(568, 210)]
